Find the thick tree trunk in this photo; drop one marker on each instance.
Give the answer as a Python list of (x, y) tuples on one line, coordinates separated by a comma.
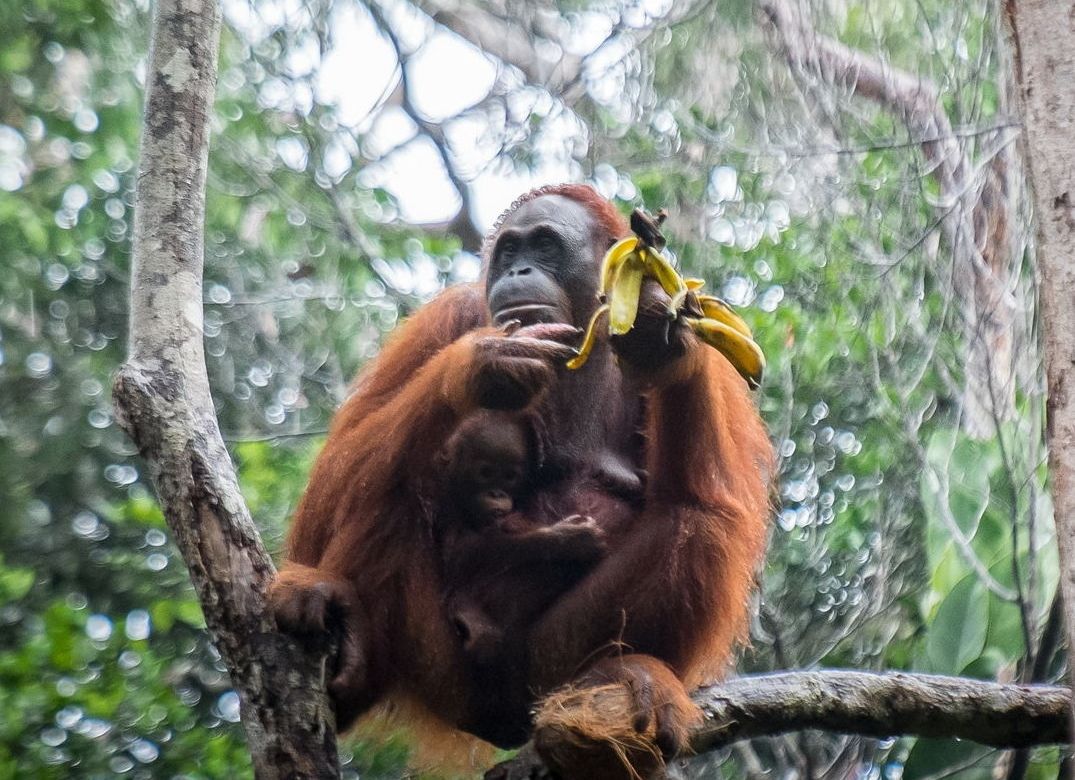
[(162, 400), (1044, 38)]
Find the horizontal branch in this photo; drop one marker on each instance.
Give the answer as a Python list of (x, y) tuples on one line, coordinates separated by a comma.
[(512, 40), (867, 704), (882, 705)]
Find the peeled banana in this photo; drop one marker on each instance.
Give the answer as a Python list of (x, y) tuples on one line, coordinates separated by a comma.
[(742, 351), (719, 310), (623, 269)]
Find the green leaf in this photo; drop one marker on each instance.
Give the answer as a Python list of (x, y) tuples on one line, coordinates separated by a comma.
[(929, 756), (16, 583), (190, 612), (163, 614), (957, 633)]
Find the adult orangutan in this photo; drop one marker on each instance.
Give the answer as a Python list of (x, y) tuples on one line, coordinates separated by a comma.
[(655, 438)]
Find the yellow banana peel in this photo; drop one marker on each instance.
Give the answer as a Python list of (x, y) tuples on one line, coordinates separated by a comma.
[(614, 257), (588, 340), (626, 264), (671, 282), (623, 297), (719, 310), (742, 351)]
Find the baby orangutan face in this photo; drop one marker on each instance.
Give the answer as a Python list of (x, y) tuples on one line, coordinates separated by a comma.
[(486, 463)]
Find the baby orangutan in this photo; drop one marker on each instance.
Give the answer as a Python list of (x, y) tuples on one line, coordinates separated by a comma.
[(488, 465), (485, 462)]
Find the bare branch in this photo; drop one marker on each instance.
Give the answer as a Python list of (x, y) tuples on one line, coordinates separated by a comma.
[(535, 48), (882, 705), (509, 41), (162, 400), (463, 223), (868, 704), (942, 492)]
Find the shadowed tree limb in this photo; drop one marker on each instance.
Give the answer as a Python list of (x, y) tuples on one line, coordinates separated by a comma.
[(462, 225), (511, 39)]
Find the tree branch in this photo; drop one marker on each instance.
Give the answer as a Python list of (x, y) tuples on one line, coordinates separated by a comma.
[(868, 704), (462, 225), (162, 399), (881, 705), (532, 44), (509, 40), (973, 206)]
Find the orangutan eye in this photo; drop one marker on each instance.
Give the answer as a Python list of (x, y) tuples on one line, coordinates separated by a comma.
[(546, 243), (507, 250)]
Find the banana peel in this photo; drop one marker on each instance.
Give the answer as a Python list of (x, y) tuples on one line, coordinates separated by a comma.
[(742, 352), (718, 309), (628, 262), (589, 339)]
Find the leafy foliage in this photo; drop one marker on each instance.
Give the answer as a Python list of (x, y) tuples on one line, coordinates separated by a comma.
[(902, 539)]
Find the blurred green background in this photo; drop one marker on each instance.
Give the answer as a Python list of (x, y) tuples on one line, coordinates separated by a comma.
[(913, 528)]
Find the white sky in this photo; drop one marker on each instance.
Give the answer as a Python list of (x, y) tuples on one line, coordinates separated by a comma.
[(447, 75)]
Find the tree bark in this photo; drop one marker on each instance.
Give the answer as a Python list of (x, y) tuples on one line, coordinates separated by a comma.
[(1044, 42), (162, 399), (882, 705), (869, 704)]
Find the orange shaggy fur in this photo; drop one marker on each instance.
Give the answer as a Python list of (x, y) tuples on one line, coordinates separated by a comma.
[(661, 612)]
